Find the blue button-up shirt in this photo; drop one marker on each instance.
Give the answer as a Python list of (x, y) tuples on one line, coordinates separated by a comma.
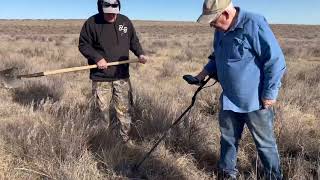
[(249, 63)]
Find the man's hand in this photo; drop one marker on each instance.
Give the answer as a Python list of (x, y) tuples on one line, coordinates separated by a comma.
[(267, 103), (102, 64), (202, 75), (143, 59)]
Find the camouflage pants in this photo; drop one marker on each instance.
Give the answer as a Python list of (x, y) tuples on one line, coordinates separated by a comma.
[(113, 103)]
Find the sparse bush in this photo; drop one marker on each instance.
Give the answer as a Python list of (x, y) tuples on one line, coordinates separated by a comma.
[(316, 52), (189, 54), (36, 93), (32, 52), (177, 44), (75, 42), (290, 51), (168, 69), (159, 44)]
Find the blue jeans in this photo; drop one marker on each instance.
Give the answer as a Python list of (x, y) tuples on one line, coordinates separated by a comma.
[(260, 124)]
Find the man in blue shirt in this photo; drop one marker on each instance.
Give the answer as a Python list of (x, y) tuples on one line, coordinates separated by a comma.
[(249, 64)]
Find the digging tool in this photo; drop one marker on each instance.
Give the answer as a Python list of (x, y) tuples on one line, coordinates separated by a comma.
[(193, 81), (10, 76)]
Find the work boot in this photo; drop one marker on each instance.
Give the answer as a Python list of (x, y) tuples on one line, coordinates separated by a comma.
[(225, 176)]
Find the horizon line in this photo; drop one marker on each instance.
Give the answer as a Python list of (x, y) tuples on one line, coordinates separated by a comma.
[(77, 19)]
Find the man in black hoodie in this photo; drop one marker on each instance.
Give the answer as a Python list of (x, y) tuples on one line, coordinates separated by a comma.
[(107, 37)]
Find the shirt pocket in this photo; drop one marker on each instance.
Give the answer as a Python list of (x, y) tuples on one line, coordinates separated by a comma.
[(239, 50)]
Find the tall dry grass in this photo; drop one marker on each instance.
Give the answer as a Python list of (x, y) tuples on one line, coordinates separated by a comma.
[(46, 127)]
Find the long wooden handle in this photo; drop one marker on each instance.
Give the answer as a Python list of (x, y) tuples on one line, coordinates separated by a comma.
[(73, 69)]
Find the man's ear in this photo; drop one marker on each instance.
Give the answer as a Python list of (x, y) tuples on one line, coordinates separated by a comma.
[(119, 4), (226, 14)]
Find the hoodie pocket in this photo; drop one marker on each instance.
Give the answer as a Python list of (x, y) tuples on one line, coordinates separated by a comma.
[(110, 71)]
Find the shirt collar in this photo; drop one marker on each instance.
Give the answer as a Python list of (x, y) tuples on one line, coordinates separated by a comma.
[(240, 20)]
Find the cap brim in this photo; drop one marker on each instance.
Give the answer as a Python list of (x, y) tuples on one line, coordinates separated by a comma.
[(207, 19), (111, 10)]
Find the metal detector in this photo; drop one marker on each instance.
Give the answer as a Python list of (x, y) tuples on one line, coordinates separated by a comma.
[(191, 80)]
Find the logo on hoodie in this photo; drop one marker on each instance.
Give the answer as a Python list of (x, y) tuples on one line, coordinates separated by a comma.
[(123, 29)]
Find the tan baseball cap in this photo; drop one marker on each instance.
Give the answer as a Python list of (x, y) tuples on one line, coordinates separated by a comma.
[(212, 9)]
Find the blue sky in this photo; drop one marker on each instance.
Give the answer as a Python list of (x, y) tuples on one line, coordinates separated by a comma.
[(276, 11)]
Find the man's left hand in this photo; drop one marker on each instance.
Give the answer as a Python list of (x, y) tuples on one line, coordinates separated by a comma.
[(143, 59), (268, 103)]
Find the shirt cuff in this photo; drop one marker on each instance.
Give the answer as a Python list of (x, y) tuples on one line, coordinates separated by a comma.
[(139, 53), (97, 59), (270, 94), (209, 67)]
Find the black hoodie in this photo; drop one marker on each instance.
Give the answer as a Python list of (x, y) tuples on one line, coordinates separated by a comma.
[(111, 41)]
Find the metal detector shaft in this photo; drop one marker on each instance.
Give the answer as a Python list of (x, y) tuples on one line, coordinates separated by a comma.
[(177, 121)]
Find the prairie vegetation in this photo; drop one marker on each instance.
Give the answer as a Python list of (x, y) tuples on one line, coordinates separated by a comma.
[(45, 124)]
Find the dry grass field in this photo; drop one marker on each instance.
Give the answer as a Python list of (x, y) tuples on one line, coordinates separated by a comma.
[(44, 124)]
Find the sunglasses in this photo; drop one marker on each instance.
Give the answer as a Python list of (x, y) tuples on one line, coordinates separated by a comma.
[(110, 5)]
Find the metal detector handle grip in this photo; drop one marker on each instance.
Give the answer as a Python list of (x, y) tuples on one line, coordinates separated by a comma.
[(191, 80)]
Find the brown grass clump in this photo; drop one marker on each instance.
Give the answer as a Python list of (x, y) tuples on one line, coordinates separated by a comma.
[(47, 129)]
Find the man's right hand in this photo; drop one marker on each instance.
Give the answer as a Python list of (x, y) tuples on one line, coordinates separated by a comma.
[(202, 75), (102, 64)]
